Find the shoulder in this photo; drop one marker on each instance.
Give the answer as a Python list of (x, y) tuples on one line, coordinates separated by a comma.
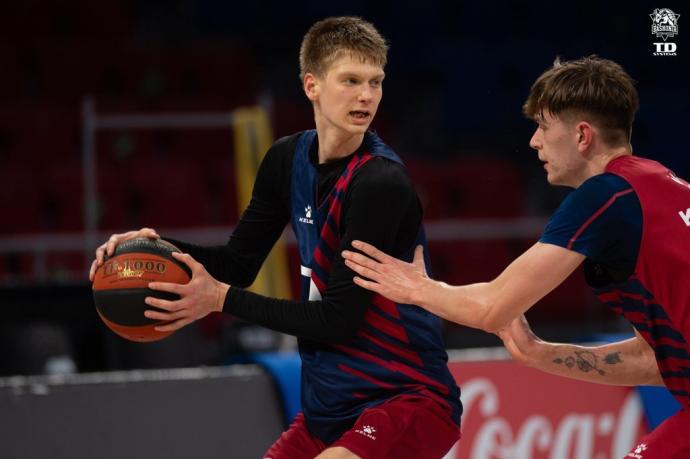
[(280, 155), (381, 175), (285, 146), (597, 194), (594, 213), (601, 187)]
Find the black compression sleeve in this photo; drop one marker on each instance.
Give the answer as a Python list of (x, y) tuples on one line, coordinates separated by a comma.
[(260, 226), (381, 208)]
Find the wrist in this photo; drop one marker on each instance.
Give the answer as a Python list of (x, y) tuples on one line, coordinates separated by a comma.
[(221, 294), (420, 295), (535, 352)]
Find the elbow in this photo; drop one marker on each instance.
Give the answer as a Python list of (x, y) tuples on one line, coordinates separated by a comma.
[(339, 329), (246, 278), (244, 272), (340, 335), (491, 322), (493, 326)]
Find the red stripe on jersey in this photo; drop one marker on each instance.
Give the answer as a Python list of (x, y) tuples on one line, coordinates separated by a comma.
[(386, 305), (671, 368), (334, 211), (329, 237), (655, 341), (318, 282), (365, 377), (394, 366), (322, 259), (616, 295), (344, 179), (328, 200), (641, 317), (404, 353), (673, 364), (386, 326), (596, 214), (342, 182), (677, 382)]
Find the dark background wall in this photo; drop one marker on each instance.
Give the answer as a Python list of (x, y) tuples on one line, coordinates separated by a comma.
[(458, 73), (210, 413)]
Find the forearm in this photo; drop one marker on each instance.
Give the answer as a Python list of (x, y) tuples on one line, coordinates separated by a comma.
[(259, 227), (626, 363), (223, 263), (467, 305), (490, 306), (324, 321)]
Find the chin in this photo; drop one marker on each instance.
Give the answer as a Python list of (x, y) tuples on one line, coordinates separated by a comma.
[(357, 129), (552, 180)]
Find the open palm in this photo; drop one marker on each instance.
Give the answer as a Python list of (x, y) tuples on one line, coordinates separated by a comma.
[(395, 279)]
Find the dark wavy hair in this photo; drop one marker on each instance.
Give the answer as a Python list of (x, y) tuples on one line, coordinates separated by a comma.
[(595, 89)]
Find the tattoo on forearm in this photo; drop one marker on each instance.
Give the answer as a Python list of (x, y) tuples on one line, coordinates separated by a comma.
[(613, 358), (588, 361)]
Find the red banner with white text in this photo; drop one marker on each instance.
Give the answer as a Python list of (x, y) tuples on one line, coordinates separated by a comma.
[(515, 412)]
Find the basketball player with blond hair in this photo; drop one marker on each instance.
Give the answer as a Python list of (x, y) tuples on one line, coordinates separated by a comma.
[(375, 383), (627, 221)]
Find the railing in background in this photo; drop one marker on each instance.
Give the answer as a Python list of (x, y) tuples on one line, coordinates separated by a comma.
[(39, 246)]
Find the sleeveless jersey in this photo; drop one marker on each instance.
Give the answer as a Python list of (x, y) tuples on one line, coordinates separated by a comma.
[(397, 349), (656, 298)]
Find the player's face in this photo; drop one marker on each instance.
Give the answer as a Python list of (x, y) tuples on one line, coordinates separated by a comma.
[(556, 143), (348, 96)]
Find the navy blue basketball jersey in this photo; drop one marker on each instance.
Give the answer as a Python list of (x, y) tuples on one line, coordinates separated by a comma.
[(627, 223), (397, 349)]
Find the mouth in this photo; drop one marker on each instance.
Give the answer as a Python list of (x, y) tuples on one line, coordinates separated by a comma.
[(360, 115)]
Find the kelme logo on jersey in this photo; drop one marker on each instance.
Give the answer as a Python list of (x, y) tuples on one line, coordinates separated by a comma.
[(664, 25), (637, 452), (307, 216), (367, 431)]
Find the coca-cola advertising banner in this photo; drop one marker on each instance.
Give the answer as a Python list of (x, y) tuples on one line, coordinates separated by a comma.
[(515, 412)]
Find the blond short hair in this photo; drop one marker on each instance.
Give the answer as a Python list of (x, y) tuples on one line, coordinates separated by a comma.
[(329, 38)]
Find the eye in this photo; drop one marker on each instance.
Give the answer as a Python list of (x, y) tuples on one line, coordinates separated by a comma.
[(351, 81), (376, 83)]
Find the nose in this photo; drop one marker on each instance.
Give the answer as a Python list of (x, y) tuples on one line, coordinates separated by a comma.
[(366, 94), (535, 141)]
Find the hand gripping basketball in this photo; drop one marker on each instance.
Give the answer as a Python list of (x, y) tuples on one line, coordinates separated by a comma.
[(108, 247), (199, 297), (121, 285)]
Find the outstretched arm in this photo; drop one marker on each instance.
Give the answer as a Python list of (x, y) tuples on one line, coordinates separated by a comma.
[(626, 363), (379, 206), (489, 306)]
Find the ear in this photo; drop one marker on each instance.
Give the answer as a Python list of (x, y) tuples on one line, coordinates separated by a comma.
[(585, 133), (310, 85)]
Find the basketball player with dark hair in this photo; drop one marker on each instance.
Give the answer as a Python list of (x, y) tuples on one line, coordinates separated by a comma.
[(375, 383), (628, 221)]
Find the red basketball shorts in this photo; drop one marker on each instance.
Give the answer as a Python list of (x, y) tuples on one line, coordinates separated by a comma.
[(404, 427), (670, 440)]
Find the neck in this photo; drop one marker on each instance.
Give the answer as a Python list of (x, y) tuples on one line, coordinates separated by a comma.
[(598, 162), (602, 160), (335, 143)]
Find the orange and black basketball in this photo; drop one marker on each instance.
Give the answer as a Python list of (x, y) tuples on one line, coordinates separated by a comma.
[(121, 284)]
